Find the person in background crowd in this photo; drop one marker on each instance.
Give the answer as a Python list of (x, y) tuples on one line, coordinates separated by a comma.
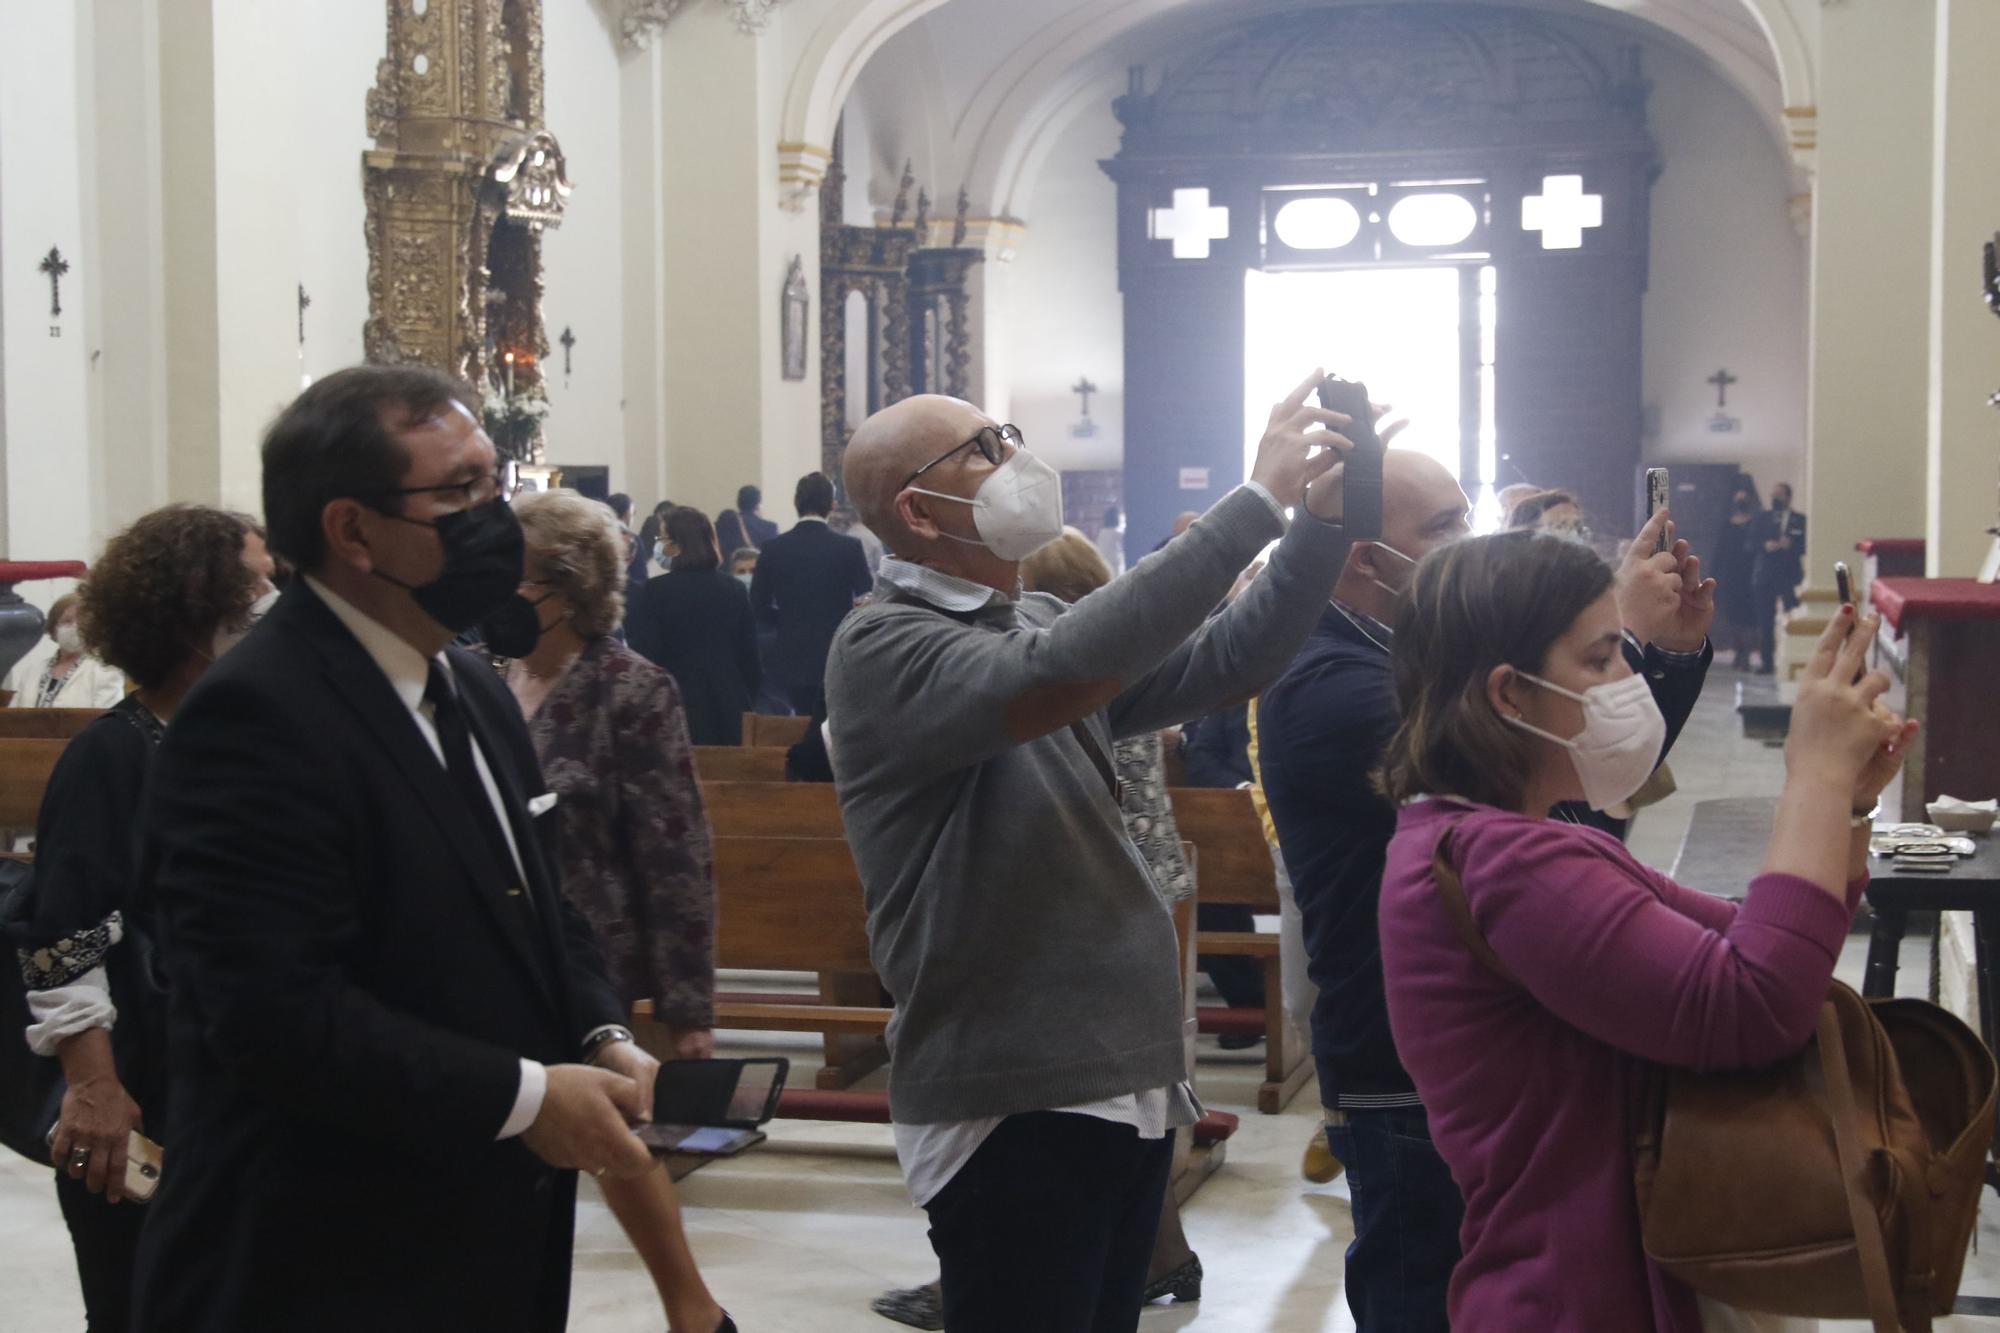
[(1069, 569), (1511, 495), (1182, 522), (694, 620), (743, 565), (1111, 541), (170, 594), (1550, 511), (846, 524), (65, 673), (608, 730), (807, 581), (650, 552), (1735, 566), (634, 557), (1514, 694), (744, 525), (1780, 551), (621, 509), (389, 1024), (971, 730)]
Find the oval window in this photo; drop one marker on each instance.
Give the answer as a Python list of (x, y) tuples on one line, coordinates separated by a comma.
[(1317, 224), (422, 64), (1432, 219)]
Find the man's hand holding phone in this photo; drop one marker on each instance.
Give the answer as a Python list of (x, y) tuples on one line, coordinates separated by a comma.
[(585, 1123), (1286, 462)]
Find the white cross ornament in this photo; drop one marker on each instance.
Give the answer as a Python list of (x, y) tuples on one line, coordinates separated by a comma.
[(1191, 224), (1561, 212)]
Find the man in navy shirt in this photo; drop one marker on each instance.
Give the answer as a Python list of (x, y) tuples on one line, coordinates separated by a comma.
[(1323, 727)]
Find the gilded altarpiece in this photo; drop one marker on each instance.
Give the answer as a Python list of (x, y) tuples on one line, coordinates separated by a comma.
[(462, 181)]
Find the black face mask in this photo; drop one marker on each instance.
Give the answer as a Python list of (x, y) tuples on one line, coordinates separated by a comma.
[(1780, 503), (515, 627), (483, 549)]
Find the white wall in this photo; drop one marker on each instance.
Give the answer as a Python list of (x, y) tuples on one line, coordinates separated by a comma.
[(1728, 285), (1068, 318), (582, 260)]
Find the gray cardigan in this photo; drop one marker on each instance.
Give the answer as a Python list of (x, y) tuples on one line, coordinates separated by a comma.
[(1032, 964)]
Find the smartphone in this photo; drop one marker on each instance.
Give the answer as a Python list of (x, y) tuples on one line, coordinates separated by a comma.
[(1656, 500), (1361, 490), (1843, 583), (142, 1165), (739, 1094)]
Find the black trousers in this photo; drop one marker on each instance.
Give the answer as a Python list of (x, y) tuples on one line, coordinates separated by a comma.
[(106, 1239), (1240, 980), (1050, 1226)]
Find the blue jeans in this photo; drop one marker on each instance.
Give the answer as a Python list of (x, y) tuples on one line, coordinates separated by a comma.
[(1407, 1212)]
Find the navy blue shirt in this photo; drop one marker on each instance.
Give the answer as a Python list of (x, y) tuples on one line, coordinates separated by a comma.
[(1321, 731)]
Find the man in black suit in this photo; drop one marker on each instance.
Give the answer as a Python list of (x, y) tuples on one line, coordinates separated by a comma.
[(744, 526), (806, 582), (382, 1005), (1780, 553)]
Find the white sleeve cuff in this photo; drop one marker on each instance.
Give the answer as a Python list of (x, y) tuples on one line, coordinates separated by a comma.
[(1263, 493), (527, 1101), (63, 1011)]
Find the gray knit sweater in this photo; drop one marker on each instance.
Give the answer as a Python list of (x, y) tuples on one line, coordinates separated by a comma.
[(1009, 915)]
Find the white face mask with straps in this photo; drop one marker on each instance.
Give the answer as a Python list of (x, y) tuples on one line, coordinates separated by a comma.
[(1407, 559), (1619, 746), (1017, 509)]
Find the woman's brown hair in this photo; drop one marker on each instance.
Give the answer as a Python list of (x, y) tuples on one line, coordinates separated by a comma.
[(695, 544), (1474, 605), (163, 587), (59, 608), (1069, 567)]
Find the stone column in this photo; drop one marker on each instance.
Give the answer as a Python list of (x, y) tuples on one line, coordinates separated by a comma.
[(1963, 441), (1869, 307)]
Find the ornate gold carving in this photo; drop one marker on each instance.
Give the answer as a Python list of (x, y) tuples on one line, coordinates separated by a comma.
[(462, 181)]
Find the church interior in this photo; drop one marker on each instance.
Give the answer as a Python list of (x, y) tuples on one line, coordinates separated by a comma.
[(685, 246)]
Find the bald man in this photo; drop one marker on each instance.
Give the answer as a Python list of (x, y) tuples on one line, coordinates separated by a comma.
[(1322, 729), (1037, 1038)]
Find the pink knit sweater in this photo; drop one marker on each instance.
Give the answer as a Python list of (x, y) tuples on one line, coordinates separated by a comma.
[(1530, 1091)]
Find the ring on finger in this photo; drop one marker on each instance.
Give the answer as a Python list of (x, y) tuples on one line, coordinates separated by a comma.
[(79, 1158)]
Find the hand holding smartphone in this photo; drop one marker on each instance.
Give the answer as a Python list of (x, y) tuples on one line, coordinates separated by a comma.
[(1361, 482), (1657, 498)]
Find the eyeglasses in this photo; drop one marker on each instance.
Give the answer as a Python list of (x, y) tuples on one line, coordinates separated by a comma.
[(994, 443), (500, 484)]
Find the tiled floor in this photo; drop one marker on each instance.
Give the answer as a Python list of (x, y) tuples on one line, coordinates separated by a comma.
[(799, 1235)]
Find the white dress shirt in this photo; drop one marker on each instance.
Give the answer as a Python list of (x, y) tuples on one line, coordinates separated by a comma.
[(408, 672)]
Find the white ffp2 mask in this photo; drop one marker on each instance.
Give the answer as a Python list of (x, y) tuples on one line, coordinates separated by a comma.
[(1017, 509), (1619, 746)]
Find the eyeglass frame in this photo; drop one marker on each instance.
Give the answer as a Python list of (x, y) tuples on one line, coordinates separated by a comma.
[(1009, 434), (506, 479)]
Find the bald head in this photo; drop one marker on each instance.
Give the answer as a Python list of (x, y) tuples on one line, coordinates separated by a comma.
[(895, 442), (1423, 507)]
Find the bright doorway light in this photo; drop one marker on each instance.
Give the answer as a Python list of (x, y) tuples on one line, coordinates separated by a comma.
[(1395, 329)]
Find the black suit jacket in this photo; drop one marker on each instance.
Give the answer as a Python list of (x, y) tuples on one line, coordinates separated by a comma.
[(806, 583), (353, 986), (697, 625)]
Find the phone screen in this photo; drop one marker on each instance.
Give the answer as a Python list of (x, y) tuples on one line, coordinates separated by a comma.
[(1843, 582)]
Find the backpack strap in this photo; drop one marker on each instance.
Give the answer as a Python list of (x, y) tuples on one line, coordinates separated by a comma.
[(1451, 891), (1869, 1245)]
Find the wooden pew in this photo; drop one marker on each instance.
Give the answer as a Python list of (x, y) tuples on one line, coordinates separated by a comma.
[(736, 763), (794, 904), (772, 809), (25, 765), (767, 729), (1236, 868), (53, 724)]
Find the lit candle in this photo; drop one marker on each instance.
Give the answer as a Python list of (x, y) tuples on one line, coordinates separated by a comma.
[(510, 374)]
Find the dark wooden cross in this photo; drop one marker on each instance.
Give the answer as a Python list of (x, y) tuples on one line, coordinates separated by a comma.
[(55, 266), (568, 340), (1721, 379), (1083, 388), (304, 301)]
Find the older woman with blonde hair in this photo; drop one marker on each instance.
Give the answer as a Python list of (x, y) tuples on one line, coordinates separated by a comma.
[(612, 738)]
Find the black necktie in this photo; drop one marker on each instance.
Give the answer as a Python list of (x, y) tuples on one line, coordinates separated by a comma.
[(456, 741)]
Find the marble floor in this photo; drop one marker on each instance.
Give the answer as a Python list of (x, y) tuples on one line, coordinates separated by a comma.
[(800, 1234)]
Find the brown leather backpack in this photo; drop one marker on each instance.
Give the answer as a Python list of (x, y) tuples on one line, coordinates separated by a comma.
[(1841, 1183)]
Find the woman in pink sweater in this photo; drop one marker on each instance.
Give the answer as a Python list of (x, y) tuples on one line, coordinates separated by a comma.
[(1514, 696)]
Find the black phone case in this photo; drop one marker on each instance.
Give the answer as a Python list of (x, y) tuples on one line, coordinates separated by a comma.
[(699, 1092), (1361, 490)]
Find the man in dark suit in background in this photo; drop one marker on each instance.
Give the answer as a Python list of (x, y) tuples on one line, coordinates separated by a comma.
[(382, 1005), (744, 526), (806, 582), (1779, 549)]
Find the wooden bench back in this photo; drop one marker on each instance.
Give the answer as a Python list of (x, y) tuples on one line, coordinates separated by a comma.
[(52, 724), (1236, 863), (772, 809), (25, 765), (767, 729), (736, 763), (789, 904)]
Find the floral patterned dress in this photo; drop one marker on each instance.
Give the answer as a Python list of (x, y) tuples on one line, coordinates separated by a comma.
[(636, 856)]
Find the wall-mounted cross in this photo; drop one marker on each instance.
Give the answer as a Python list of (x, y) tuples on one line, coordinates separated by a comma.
[(1721, 379), (568, 340), (1083, 388), (1561, 212), (55, 266), (1191, 224)]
